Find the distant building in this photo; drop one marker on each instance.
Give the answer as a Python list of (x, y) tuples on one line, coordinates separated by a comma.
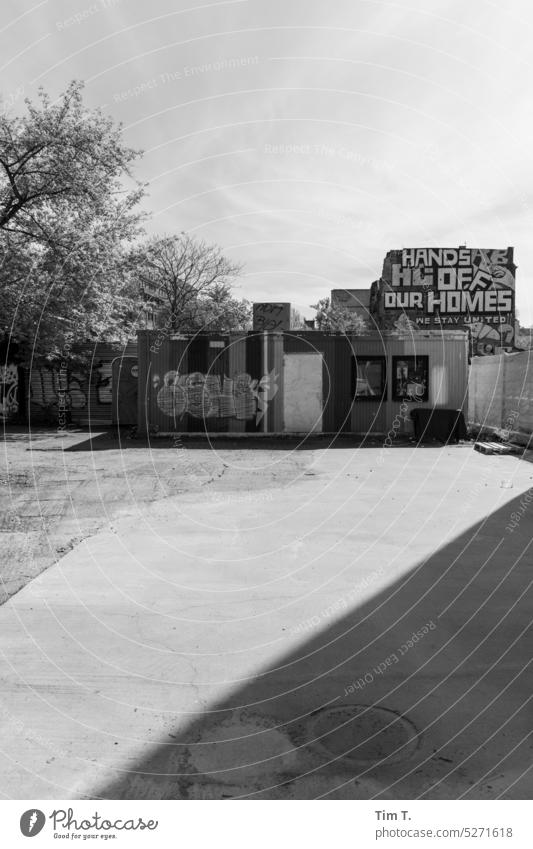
[(356, 300), (155, 303)]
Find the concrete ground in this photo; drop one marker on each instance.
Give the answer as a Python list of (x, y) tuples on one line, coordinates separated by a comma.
[(56, 489), (346, 622)]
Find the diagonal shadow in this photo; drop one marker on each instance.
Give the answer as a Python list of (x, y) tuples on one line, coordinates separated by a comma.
[(453, 704)]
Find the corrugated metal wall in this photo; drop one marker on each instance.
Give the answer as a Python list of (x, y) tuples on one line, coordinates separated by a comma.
[(206, 382), (370, 415), (88, 390), (501, 394), (448, 373), (216, 382)]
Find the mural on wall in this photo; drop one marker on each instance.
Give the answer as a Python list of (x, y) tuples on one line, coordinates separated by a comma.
[(8, 391), (451, 288), (212, 396)]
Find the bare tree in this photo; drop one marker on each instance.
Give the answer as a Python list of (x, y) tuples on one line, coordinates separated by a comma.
[(182, 275)]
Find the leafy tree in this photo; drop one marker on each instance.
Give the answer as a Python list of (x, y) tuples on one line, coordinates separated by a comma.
[(219, 310), (66, 224), (405, 326), (189, 284), (336, 318), (59, 158)]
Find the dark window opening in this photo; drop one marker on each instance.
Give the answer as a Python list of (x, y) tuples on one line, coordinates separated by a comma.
[(410, 379), (368, 378)]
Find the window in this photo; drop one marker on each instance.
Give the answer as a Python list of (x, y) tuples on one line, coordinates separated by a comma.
[(368, 378), (410, 378)]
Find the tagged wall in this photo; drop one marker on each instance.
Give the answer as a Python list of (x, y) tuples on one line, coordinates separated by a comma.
[(85, 392), (9, 402), (46, 385), (214, 381)]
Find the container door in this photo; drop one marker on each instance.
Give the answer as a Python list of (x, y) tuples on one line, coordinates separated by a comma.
[(302, 393), (125, 387)]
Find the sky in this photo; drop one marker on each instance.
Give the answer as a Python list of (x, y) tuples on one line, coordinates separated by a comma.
[(306, 138)]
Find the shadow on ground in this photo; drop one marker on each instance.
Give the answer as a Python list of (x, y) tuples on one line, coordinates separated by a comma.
[(111, 441), (423, 691)]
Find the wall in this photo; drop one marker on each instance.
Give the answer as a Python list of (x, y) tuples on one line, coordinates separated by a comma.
[(88, 390), (501, 394), (336, 351), (214, 381), (9, 380), (448, 378), (449, 288), (448, 371)]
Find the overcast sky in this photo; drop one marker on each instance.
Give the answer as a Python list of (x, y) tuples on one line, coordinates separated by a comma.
[(307, 138)]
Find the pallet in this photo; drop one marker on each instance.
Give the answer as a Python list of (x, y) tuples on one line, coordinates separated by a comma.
[(497, 448)]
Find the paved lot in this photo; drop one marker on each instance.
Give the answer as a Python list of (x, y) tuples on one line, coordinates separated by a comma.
[(58, 489), (346, 623)]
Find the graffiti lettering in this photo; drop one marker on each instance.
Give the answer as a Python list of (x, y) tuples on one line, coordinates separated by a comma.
[(213, 396), (50, 387)]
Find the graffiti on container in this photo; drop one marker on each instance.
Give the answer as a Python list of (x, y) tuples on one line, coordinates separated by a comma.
[(215, 396), (8, 390)]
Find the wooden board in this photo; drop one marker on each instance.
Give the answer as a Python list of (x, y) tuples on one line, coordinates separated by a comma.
[(272, 317), (496, 448)]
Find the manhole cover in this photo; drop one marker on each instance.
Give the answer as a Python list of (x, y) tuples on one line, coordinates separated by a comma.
[(362, 734), (242, 747)]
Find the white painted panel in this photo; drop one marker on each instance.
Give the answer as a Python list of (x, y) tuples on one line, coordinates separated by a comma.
[(438, 385), (302, 393)]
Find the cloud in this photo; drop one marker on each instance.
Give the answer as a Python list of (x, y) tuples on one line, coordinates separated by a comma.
[(309, 139)]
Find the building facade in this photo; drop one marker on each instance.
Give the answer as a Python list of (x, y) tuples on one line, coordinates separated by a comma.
[(449, 288)]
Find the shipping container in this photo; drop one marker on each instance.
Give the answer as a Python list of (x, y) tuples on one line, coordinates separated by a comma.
[(299, 382)]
